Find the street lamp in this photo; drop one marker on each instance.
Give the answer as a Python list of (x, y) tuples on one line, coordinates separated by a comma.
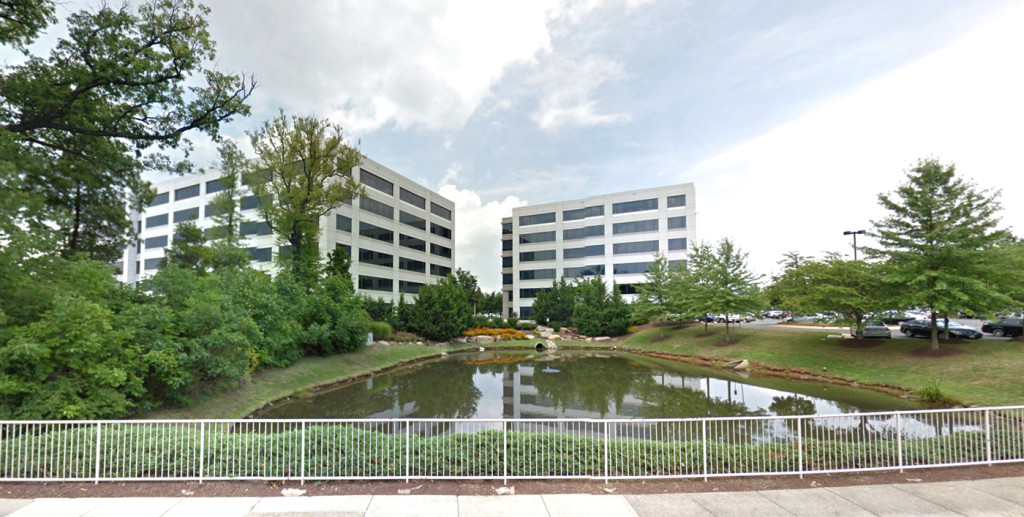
[(855, 234)]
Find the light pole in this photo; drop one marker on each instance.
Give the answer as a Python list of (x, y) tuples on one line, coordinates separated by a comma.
[(855, 234)]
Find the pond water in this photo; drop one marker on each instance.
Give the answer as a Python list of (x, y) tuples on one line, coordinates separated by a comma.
[(573, 385)]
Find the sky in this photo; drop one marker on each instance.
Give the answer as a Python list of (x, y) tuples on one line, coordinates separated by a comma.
[(789, 118)]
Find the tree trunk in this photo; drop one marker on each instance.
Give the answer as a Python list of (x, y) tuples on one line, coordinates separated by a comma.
[(935, 333), (945, 330), (727, 329), (859, 322)]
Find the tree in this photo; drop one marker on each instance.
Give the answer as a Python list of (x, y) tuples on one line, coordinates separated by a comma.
[(188, 249), (555, 305), (226, 204), (655, 298), (441, 311), (303, 170), (467, 281), (718, 281), (490, 303), (937, 240), (596, 312)]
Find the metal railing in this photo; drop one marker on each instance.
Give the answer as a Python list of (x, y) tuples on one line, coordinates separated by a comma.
[(406, 449)]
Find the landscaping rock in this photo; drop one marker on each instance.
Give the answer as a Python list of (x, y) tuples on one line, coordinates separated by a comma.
[(551, 344), (554, 337), (382, 342), (530, 336), (461, 339), (484, 340), (544, 334), (602, 338)]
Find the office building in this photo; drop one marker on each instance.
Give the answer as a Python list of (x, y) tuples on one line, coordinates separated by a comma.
[(400, 236), (613, 235)]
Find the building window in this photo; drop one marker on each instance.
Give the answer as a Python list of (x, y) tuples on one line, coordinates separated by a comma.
[(409, 287), (188, 214), (285, 251), (346, 248), (506, 245), (437, 270), (672, 264), (249, 202), (214, 186), (440, 231), (153, 263), (533, 256), (260, 254), (506, 279), (506, 228), (160, 199), (376, 207), (576, 272), (635, 206), (439, 210), (649, 225), (628, 288), (677, 222), (632, 268), (343, 223), (537, 274), (530, 293), (412, 242), (527, 238), (506, 262), (527, 220), (525, 312), (416, 266), (412, 220), (674, 201), (634, 247), (440, 251), (376, 258), (583, 213), (586, 251), (580, 233), (186, 192), (413, 199), (156, 220), (376, 232), (156, 242), (212, 210), (248, 228), (377, 182), (372, 283), (677, 244)]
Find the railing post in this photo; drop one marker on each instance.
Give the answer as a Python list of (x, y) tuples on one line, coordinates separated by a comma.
[(988, 437), (302, 455), (504, 452), (99, 429), (800, 444), (202, 449), (607, 454), (899, 439), (704, 445), (408, 449)]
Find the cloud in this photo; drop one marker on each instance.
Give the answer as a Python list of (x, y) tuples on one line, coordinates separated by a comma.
[(478, 233), (568, 90), (451, 175)]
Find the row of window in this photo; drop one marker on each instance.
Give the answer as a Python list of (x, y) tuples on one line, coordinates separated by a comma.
[(372, 180), (631, 268), (597, 211), (649, 225), (373, 283), (366, 256), (191, 191)]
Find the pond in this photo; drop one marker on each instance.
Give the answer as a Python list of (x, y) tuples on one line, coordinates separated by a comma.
[(557, 384)]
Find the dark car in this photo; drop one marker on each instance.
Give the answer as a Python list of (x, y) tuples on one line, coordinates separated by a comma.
[(923, 328), (1005, 327)]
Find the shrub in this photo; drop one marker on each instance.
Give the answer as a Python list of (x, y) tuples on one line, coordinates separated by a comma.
[(441, 311), (504, 334), (380, 329), (933, 394), (513, 321), (525, 325)]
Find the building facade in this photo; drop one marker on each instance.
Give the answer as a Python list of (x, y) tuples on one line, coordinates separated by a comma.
[(399, 236), (613, 235)]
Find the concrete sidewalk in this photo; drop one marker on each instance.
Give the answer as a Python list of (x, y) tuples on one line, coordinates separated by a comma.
[(1002, 496)]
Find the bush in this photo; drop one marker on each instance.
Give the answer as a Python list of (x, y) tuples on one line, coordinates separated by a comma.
[(380, 329), (933, 394), (503, 334), (525, 325), (441, 311), (513, 321)]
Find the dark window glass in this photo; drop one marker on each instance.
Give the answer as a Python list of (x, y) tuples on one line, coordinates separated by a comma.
[(583, 213), (412, 220), (437, 270), (586, 251), (138, 267), (260, 254), (249, 202), (440, 231), (673, 263), (376, 207), (527, 220), (437, 209), (506, 245), (409, 287), (530, 293), (377, 182), (634, 247), (153, 263), (635, 206), (631, 268), (160, 199), (537, 274), (372, 283), (676, 222), (408, 264), (441, 251), (525, 312), (412, 242), (211, 210), (579, 233), (376, 232), (188, 214), (159, 241), (506, 262), (532, 256), (677, 244), (156, 220), (576, 272), (186, 192), (285, 251), (376, 258), (343, 223), (510, 296), (506, 228), (215, 232), (138, 226), (628, 288), (412, 199), (635, 226), (679, 200), (506, 279), (527, 238), (254, 228), (214, 186)]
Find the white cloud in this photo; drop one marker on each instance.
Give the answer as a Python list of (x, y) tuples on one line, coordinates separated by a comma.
[(799, 186), (478, 234), (451, 175), (568, 90)]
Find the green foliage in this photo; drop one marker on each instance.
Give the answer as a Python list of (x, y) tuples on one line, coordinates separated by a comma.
[(467, 281), (188, 249), (441, 311), (332, 318), (555, 304), (380, 329), (933, 394), (655, 298), (377, 308), (718, 281), (598, 312)]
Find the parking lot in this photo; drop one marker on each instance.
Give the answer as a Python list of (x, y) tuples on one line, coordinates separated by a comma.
[(776, 324)]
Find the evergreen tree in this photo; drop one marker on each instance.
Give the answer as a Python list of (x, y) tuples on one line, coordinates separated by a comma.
[(655, 300)]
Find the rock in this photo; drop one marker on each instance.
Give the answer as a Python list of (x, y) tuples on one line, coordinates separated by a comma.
[(419, 342), (551, 344), (739, 364), (530, 336), (545, 334), (554, 337), (484, 340), (188, 491), (408, 491), (505, 490), (461, 339), (382, 342), (590, 340), (293, 492), (609, 490), (602, 338)]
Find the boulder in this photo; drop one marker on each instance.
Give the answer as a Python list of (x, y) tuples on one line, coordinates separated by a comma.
[(544, 334), (602, 338), (530, 336), (484, 340), (461, 339), (739, 364), (382, 342), (554, 337), (551, 344)]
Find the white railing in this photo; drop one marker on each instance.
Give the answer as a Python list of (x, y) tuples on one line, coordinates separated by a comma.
[(408, 449)]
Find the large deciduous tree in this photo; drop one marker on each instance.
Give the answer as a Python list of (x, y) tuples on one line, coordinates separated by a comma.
[(937, 241), (303, 170), (718, 281)]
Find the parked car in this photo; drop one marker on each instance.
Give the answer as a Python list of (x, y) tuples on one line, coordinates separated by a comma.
[(923, 328), (1004, 327), (873, 329), (731, 318), (774, 314)]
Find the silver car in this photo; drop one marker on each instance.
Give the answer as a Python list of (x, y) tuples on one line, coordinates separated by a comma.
[(873, 329)]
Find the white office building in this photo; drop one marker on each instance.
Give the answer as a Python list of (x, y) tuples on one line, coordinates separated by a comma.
[(400, 236), (613, 235)]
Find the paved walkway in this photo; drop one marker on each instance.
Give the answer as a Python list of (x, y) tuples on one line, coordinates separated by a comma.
[(1003, 496)]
